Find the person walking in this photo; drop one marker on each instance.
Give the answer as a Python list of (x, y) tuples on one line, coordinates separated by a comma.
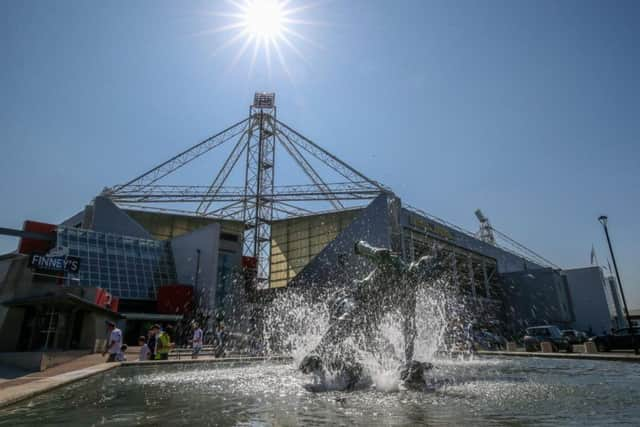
[(114, 342), (153, 340), (220, 335), (196, 342), (163, 345)]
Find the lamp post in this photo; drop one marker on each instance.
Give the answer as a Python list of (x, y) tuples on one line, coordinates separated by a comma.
[(603, 220)]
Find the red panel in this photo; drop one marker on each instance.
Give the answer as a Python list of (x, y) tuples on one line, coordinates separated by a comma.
[(249, 262), (30, 246), (175, 299), (106, 300), (115, 303)]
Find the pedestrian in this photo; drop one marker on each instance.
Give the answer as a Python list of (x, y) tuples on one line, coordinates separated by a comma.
[(163, 345), (197, 340), (121, 356), (114, 342), (153, 340), (144, 349), (220, 335)]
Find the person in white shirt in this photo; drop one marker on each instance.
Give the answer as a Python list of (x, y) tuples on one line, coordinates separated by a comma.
[(114, 343), (197, 340), (144, 349)]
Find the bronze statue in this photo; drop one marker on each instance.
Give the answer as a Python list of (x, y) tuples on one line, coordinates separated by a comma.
[(357, 311)]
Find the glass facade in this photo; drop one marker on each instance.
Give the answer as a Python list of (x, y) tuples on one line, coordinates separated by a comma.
[(225, 276), (127, 267)]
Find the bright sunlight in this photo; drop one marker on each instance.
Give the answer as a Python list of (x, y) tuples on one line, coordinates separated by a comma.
[(267, 27), (264, 19)]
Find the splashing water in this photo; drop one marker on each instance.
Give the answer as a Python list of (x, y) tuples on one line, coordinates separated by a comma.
[(295, 323)]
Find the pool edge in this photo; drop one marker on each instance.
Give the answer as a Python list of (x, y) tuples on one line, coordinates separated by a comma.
[(574, 356), (15, 394), (18, 393)]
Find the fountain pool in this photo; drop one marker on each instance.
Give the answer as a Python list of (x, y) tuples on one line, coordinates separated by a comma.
[(484, 391)]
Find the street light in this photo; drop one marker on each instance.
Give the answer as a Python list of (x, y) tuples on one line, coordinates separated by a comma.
[(604, 220)]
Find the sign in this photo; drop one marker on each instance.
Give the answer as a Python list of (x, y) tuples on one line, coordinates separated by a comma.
[(56, 260), (106, 300)]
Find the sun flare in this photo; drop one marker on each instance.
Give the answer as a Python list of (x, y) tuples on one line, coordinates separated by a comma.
[(265, 27), (264, 19)]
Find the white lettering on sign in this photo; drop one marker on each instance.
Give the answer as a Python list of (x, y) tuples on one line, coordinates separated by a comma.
[(55, 263)]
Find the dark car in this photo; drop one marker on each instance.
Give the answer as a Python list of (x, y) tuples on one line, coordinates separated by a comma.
[(538, 334), (620, 340), (574, 337)]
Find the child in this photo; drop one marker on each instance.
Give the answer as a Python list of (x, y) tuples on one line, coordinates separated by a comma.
[(145, 352), (120, 357)]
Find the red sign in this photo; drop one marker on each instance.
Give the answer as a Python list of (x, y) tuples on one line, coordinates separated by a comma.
[(30, 246), (106, 300)]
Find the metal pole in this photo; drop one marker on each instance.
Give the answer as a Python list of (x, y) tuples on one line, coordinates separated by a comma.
[(195, 279), (603, 221)]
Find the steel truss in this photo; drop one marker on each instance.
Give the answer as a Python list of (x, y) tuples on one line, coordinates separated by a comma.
[(257, 201)]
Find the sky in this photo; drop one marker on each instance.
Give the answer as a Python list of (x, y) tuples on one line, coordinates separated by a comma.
[(528, 110)]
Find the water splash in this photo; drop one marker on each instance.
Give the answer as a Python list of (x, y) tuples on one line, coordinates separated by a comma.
[(295, 323)]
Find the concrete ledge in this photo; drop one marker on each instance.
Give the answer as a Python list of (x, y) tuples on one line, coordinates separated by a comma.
[(585, 356), (209, 360), (39, 360), (11, 395)]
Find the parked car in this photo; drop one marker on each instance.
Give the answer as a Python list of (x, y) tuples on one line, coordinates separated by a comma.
[(620, 340), (538, 334), (575, 337)]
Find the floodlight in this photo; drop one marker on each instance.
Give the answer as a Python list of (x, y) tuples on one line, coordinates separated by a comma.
[(264, 100), (480, 216)]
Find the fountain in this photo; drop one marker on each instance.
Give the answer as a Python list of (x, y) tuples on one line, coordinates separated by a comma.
[(357, 313), (377, 351)]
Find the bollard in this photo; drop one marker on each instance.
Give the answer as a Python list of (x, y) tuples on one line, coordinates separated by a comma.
[(590, 347), (546, 347), (512, 346)]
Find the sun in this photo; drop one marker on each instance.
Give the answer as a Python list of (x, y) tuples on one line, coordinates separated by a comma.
[(264, 19), (267, 27)]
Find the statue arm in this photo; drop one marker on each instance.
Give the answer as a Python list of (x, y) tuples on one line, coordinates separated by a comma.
[(428, 266), (382, 257)]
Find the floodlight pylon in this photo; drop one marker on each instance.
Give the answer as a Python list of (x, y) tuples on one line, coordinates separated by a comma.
[(259, 173), (257, 202)]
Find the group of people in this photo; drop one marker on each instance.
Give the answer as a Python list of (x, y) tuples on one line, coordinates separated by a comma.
[(197, 341), (155, 346)]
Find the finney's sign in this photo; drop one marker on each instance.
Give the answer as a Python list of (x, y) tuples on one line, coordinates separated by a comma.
[(56, 260)]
